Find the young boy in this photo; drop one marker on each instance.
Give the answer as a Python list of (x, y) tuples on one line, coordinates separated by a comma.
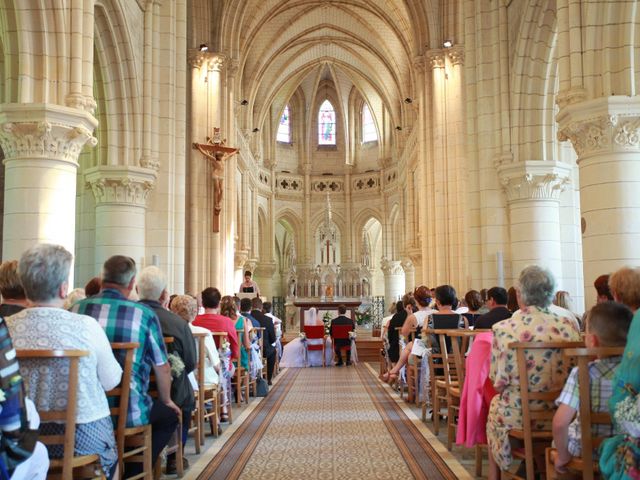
[(607, 326)]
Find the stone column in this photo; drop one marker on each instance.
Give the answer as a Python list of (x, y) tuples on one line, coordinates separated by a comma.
[(409, 275), (264, 278), (121, 199), (605, 133), (41, 144), (533, 194), (394, 281)]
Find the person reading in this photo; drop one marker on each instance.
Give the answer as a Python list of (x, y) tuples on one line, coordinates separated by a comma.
[(249, 286)]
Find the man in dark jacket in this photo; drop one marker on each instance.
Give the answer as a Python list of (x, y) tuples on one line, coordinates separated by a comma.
[(269, 336), (339, 343), (152, 289), (497, 302)]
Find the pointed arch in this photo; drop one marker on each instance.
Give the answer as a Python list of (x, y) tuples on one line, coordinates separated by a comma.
[(284, 126)]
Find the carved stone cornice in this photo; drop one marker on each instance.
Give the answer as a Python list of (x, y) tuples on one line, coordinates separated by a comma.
[(120, 185), (435, 58), (534, 180), (150, 162), (212, 61), (456, 55), (51, 132), (603, 125), (391, 267)]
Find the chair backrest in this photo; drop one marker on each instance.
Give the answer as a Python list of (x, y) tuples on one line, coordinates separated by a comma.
[(460, 347), (314, 331), (589, 417), (119, 397), (341, 332), (32, 362), (530, 416), (412, 333), (202, 355), (219, 338)]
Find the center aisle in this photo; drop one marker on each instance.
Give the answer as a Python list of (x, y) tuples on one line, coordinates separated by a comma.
[(329, 423)]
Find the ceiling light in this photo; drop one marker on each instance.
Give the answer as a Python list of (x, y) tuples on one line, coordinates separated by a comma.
[(447, 44), (203, 47)]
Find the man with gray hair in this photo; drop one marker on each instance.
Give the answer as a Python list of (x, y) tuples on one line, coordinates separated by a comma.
[(127, 321), (152, 290)]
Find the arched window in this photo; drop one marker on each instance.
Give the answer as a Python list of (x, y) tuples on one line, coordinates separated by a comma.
[(369, 133), (326, 124), (284, 128)]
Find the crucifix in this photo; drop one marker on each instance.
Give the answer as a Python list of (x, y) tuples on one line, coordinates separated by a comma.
[(216, 151)]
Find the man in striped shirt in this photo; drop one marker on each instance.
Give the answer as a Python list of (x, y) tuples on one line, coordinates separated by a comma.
[(127, 321)]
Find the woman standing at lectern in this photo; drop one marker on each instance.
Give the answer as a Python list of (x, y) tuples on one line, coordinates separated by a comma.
[(249, 286)]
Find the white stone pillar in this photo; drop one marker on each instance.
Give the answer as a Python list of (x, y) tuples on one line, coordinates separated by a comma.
[(394, 281), (41, 144), (121, 195), (409, 275), (605, 133), (533, 194), (264, 278)]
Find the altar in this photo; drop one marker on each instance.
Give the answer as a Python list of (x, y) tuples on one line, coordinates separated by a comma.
[(304, 305)]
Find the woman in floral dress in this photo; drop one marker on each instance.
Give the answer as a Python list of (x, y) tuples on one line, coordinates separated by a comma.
[(534, 322)]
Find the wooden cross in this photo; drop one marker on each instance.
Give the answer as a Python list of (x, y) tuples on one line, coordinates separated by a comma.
[(216, 151)]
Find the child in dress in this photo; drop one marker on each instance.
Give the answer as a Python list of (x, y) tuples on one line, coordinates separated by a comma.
[(607, 326)]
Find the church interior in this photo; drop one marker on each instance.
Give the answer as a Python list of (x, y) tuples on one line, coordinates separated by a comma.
[(339, 152)]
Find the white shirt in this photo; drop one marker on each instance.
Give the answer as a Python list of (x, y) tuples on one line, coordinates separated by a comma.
[(277, 323), (211, 361), (55, 328)]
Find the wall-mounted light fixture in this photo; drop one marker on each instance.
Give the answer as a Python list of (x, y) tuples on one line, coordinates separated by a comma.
[(256, 130), (408, 100), (447, 44), (244, 103), (399, 128), (203, 47)]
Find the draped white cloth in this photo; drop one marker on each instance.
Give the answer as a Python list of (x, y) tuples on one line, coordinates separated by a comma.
[(293, 353)]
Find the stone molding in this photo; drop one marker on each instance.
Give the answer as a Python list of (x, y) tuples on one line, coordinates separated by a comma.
[(52, 132), (534, 180), (265, 269), (121, 185), (456, 55), (603, 125), (391, 267), (435, 57), (240, 258), (212, 60), (408, 266)]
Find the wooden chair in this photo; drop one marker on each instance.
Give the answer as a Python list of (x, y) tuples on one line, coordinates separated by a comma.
[(439, 378), (535, 440), (316, 332), (586, 465), (341, 332), (207, 398), (134, 443), (219, 338), (241, 379), (33, 360), (460, 347)]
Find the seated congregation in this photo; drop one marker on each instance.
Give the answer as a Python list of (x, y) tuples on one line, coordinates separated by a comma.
[(546, 392), (117, 373)]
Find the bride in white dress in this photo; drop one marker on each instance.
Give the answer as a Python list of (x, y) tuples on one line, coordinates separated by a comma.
[(293, 354)]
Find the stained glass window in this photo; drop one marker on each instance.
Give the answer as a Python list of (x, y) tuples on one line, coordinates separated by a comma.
[(284, 128), (326, 124), (369, 133)]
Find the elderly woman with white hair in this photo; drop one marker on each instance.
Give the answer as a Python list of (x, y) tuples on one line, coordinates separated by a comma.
[(534, 322), (44, 273)]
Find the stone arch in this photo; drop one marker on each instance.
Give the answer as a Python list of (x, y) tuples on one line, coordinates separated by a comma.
[(394, 233), (262, 245), (359, 221)]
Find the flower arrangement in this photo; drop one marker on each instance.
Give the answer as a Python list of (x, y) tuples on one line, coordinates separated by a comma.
[(363, 314), (628, 416), (352, 335), (326, 320)]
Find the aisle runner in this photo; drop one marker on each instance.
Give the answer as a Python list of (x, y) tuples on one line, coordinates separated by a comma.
[(329, 423)]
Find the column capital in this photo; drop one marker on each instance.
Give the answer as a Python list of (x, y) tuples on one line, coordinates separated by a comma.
[(534, 180), (407, 265), (240, 258), (391, 267), (266, 269), (603, 125), (46, 131), (120, 185), (435, 58), (211, 60), (456, 54)]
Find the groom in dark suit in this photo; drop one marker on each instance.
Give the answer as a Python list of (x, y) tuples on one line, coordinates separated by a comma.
[(338, 344), (269, 338)]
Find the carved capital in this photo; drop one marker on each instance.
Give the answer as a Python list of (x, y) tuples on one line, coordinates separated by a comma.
[(534, 180), (240, 258), (121, 185), (266, 269), (210, 60), (407, 266), (391, 267), (152, 163), (456, 55), (435, 58), (603, 125)]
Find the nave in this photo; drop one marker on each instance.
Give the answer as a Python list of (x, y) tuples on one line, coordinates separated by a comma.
[(328, 423)]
